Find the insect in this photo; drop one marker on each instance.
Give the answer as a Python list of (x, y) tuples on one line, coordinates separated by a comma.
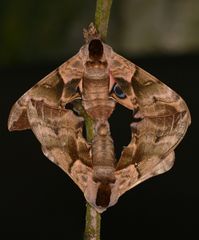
[(99, 78)]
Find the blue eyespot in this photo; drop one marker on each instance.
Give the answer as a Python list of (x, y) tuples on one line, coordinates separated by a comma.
[(118, 92)]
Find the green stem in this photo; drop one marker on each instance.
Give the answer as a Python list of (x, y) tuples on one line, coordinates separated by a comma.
[(93, 221), (93, 218), (102, 13), (87, 119)]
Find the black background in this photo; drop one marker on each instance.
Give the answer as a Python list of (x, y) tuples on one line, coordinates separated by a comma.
[(39, 201)]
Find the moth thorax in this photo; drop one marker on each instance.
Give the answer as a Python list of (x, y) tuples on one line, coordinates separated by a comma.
[(95, 98)]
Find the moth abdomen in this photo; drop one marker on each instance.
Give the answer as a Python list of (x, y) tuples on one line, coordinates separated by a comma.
[(103, 154)]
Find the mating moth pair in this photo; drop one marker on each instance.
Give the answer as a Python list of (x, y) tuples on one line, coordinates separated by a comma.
[(99, 78)]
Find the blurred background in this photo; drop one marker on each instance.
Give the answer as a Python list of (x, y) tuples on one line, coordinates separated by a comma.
[(38, 201), (37, 31)]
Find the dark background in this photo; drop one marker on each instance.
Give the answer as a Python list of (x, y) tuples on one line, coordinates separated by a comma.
[(38, 200)]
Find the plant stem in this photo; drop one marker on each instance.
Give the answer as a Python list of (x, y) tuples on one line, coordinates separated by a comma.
[(102, 13), (93, 218), (87, 119)]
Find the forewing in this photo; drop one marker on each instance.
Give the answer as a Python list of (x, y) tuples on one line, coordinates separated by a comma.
[(55, 88)]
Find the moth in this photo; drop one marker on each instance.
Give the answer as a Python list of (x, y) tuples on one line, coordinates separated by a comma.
[(99, 78)]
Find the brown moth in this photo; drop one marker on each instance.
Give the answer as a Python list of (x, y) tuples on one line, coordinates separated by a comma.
[(100, 78)]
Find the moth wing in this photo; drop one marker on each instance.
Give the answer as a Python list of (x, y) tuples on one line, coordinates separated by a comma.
[(129, 177), (160, 122), (60, 133), (49, 89)]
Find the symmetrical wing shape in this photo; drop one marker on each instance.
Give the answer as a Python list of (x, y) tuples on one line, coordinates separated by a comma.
[(160, 119)]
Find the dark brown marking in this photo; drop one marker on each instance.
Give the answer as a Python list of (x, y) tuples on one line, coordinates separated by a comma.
[(157, 139), (59, 75), (103, 195), (137, 169), (124, 85), (95, 49), (72, 85), (22, 122)]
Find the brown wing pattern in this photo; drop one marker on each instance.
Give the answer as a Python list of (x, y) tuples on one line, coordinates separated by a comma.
[(51, 89), (160, 121), (58, 129), (60, 133)]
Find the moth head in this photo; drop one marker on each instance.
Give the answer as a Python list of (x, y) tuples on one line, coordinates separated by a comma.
[(95, 49), (101, 196), (94, 59)]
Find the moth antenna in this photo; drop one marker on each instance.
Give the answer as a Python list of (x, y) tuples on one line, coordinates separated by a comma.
[(91, 33)]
